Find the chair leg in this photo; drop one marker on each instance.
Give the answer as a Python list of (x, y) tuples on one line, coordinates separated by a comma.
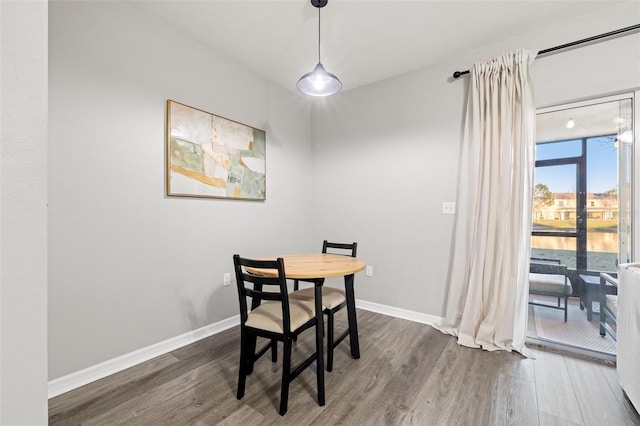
[(603, 305), (286, 371), (330, 341), (250, 351), (274, 350), (242, 370), (566, 298)]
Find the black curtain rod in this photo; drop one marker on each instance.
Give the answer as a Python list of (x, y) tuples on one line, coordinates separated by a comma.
[(459, 74)]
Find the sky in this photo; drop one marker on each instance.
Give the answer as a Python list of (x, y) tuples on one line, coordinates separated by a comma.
[(601, 165)]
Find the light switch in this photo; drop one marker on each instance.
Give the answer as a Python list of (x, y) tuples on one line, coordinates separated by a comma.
[(448, 207)]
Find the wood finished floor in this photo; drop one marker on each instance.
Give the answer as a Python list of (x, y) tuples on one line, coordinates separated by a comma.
[(409, 374)]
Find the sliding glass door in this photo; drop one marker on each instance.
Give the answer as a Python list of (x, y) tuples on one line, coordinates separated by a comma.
[(582, 213), (582, 196)]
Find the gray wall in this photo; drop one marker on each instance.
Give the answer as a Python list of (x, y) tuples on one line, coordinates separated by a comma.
[(385, 156), (129, 267), (23, 214)]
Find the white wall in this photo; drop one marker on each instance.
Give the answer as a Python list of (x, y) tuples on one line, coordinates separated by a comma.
[(130, 267), (23, 214), (385, 156)]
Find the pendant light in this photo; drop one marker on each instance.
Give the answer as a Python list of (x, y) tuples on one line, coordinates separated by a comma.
[(319, 82)]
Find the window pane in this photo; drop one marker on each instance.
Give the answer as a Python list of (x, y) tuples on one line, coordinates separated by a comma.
[(564, 149), (554, 199), (596, 140), (562, 248), (602, 203)]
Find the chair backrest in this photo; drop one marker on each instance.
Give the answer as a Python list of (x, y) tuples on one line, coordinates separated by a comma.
[(548, 268), (546, 260), (353, 247), (261, 287)]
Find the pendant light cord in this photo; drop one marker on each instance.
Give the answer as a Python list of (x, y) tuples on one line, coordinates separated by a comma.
[(318, 82), (319, 35)]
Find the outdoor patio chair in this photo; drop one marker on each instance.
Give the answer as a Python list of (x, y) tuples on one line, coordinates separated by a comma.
[(608, 306), (549, 279)]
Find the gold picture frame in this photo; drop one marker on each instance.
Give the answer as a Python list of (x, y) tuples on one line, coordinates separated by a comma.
[(213, 157)]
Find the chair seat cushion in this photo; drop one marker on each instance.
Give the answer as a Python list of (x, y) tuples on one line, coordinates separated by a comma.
[(549, 283), (331, 297), (612, 303), (268, 316)]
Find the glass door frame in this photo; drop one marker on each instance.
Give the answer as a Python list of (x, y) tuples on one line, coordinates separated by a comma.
[(581, 190), (580, 234), (635, 187)]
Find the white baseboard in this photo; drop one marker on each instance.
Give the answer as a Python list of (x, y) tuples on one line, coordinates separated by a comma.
[(80, 378), (397, 312)]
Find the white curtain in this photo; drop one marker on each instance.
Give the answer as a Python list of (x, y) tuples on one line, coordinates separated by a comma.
[(488, 287)]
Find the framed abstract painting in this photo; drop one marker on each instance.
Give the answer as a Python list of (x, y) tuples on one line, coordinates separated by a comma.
[(213, 157)]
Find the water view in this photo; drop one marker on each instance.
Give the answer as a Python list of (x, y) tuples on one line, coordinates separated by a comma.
[(602, 249)]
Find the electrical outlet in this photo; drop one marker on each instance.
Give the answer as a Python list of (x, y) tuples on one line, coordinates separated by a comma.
[(369, 271), (448, 207), (226, 279)]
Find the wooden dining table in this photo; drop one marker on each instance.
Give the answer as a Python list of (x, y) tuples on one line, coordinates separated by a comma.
[(315, 268)]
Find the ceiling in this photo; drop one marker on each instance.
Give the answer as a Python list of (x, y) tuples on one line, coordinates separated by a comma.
[(611, 116), (362, 41)]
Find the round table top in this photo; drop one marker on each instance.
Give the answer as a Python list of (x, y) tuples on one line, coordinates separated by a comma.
[(317, 265)]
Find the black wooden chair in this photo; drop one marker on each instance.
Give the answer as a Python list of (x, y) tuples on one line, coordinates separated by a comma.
[(278, 318), (333, 299), (608, 304), (550, 279)]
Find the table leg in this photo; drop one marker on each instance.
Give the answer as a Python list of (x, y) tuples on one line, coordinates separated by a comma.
[(590, 288), (351, 314), (589, 299), (319, 337), (583, 288)]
